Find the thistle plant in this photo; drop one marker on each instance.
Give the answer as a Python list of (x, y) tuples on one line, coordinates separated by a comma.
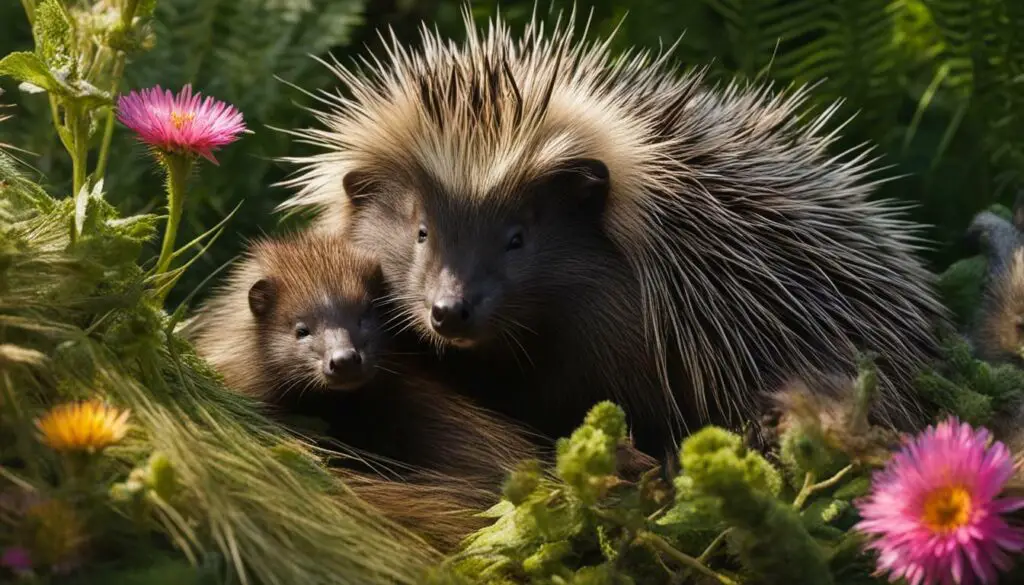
[(200, 484), (79, 60), (178, 128)]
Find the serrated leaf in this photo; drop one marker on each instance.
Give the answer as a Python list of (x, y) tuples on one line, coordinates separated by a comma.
[(29, 68), (52, 30), (82, 199)]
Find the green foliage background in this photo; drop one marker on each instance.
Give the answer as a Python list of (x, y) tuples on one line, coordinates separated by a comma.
[(938, 85)]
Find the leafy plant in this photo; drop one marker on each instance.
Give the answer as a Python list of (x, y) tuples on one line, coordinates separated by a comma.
[(730, 516), (203, 479)]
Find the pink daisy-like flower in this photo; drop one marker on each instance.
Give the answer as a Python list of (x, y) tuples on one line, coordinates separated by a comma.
[(934, 510), (185, 123)]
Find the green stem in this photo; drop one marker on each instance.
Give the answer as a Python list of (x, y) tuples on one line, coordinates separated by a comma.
[(682, 558), (58, 124), (79, 147), (127, 16), (704, 556), (810, 487), (178, 167), (95, 64), (108, 130)]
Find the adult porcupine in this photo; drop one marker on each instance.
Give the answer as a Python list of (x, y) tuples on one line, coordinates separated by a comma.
[(612, 228)]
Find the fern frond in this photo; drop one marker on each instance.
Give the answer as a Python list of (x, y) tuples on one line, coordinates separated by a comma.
[(757, 29), (845, 45), (985, 53)]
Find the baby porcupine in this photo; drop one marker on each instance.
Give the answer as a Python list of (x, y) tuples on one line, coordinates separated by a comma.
[(583, 228)]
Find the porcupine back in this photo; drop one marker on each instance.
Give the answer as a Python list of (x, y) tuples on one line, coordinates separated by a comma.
[(757, 253)]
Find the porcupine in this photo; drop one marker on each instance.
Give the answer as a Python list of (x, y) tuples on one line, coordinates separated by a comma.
[(297, 326), (996, 332), (589, 228), (998, 329)]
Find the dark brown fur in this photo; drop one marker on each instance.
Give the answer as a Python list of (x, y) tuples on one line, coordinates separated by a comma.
[(413, 448)]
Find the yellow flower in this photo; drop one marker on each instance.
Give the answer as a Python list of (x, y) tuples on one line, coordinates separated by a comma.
[(83, 426)]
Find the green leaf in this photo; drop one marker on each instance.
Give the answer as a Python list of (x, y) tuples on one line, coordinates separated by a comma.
[(34, 74), (89, 96), (29, 68), (53, 34), (82, 199), (856, 488)]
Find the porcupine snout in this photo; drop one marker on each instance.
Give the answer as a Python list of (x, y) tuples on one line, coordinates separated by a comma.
[(455, 309), (344, 363), (451, 313)]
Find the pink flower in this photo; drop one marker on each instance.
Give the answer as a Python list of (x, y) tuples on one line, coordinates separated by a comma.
[(184, 123), (934, 512), (17, 559)]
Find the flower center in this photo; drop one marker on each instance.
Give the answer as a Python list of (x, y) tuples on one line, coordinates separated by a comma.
[(179, 119), (947, 509)]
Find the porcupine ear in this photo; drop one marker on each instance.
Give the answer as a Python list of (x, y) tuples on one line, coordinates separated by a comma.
[(262, 296), (359, 185), (585, 182)]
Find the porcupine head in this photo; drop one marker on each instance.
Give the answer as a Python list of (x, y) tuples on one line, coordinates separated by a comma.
[(314, 308), (472, 267)]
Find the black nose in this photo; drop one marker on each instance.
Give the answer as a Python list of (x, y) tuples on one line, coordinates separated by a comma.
[(343, 362), (450, 316)]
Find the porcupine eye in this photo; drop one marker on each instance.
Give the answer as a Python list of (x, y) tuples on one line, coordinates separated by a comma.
[(515, 241), (301, 331), (422, 235)]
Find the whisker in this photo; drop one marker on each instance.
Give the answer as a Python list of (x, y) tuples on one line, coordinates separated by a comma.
[(513, 344), (388, 370)]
